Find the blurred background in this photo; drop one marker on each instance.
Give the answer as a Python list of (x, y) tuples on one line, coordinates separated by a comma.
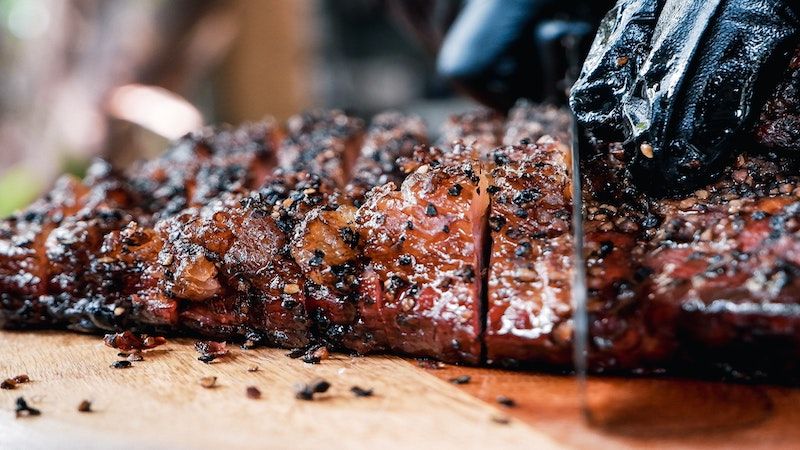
[(120, 78)]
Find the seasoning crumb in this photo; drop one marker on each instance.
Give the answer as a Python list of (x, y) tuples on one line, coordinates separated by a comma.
[(361, 392), (505, 401), (121, 364), (291, 288), (135, 356), (463, 379), (127, 341), (310, 359), (322, 353), (154, 341), (253, 392), (21, 378), (85, 406), (502, 420), (430, 210), (307, 391), (208, 382), (430, 364), (647, 150), (248, 344), (252, 369), (210, 350), (8, 384), (23, 409), (296, 353), (315, 354)]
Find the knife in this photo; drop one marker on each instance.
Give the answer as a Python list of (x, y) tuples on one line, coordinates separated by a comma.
[(579, 291)]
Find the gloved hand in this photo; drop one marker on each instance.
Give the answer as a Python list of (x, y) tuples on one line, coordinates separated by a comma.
[(678, 80), (500, 50)]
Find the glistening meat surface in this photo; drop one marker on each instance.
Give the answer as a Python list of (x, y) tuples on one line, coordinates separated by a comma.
[(460, 252)]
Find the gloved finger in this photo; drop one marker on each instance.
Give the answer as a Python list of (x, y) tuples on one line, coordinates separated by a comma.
[(621, 45), (480, 50), (711, 61)]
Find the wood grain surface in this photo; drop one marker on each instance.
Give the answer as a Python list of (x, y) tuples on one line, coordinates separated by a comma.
[(159, 403)]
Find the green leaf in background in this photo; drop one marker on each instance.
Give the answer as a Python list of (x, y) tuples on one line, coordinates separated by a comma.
[(18, 187)]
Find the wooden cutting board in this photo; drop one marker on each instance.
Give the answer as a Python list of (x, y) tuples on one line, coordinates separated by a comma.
[(159, 403)]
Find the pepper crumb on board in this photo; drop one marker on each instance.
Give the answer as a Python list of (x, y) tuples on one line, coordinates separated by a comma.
[(23, 409), (253, 392), (361, 392), (502, 420), (252, 369), (307, 391), (11, 383), (506, 401), (21, 378), (311, 359), (121, 364), (322, 353), (85, 406), (462, 379), (430, 210), (315, 353), (296, 353), (208, 382)]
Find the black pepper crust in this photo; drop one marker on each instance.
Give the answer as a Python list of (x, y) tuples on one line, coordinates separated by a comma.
[(211, 240)]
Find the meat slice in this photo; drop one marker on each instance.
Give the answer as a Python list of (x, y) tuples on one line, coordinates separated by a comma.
[(724, 263), (229, 266), (326, 245), (529, 317), (23, 268), (237, 274), (617, 219), (391, 136), (424, 245), (124, 278), (47, 247), (323, 143), (697, 284)]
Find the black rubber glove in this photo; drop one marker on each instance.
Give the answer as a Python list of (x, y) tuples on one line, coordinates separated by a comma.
[(501, 50), (678, 80)]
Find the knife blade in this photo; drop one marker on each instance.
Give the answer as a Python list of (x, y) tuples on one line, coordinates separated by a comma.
[(579, 291)]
